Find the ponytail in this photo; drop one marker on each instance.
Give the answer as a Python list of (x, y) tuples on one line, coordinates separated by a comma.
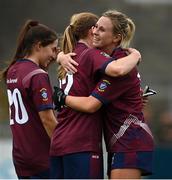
[(80, 24), (20, 51), (31, 33), (130, 30)]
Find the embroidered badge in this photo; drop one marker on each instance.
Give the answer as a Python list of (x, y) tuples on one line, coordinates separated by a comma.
[(103, 85), (104, 54), (44, 94)]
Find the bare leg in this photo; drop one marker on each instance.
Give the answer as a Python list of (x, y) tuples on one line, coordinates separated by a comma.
[(125, 174)]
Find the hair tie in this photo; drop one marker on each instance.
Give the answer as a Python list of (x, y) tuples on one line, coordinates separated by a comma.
[(71, 26), (33, 23)]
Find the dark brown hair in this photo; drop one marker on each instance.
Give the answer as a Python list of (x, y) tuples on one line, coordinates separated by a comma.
[(31, 33)]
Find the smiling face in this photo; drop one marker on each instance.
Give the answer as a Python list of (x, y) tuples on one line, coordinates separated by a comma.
[(104, 37), (48, 54)]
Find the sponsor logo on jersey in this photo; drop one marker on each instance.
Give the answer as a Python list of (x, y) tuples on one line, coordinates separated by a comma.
[(95, 156), (44, 94), (104, 54), (9, 81), (104, 84)]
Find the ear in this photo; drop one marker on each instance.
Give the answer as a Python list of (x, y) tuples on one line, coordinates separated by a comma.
[(37, 46), (117, 38), (90, 32)]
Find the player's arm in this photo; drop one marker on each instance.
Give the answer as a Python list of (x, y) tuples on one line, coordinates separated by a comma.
[(123, 65), (116, 68), (67, 62), (84, 104), (48, 120)]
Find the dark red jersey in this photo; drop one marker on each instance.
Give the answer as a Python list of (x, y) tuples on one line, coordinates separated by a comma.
[(125, 129), (29, 92), (77, 131)]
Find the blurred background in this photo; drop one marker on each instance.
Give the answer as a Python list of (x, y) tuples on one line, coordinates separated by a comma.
[(153, 39)]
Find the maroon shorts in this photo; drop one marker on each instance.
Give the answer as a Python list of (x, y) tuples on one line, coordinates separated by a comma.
[(137, 160), (82, 165)]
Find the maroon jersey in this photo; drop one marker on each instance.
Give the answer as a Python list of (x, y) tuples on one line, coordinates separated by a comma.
[(78, 131), (125, 129), (29, 92)]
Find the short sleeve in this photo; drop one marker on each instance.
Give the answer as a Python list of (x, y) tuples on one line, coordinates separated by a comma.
[(41, 92), (99, 60), (110, 88)]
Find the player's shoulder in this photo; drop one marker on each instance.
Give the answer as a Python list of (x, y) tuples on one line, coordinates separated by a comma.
[(97, 52), (119, 52), (33, 73)]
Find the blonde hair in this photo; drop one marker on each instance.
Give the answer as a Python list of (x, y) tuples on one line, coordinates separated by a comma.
[(122, 25), (80, 24)]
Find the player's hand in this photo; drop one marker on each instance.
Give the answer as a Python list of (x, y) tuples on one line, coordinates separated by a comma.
[(136, 53), (67, 62), (59, 98)]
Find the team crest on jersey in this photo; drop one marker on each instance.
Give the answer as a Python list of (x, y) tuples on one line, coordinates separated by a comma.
[(44, 94), (104, 54), (103, 85)]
